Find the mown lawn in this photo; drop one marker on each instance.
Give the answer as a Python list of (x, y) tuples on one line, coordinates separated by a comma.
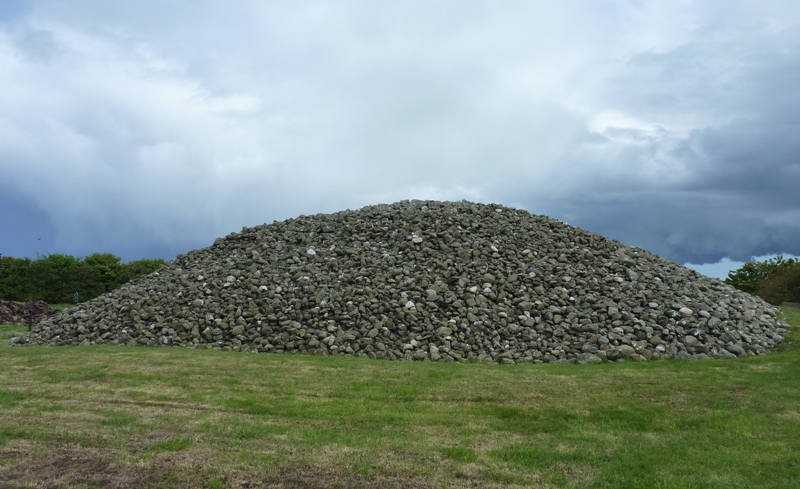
[(8, 331), (141, 417)]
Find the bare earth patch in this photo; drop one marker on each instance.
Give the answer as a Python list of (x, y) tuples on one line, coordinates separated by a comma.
[(69, 465), (65, 466)]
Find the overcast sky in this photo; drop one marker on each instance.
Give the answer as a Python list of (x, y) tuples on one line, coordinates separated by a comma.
[(148, 128)]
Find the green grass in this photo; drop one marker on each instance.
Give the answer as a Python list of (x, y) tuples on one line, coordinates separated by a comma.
[(202, 418), (792, 314), (8, 331)]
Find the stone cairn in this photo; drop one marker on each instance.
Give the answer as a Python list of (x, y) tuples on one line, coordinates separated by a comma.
[(426, 281)]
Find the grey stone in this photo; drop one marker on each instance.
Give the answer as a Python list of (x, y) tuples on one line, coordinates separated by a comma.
[(444, 331), (722, 353), (626, 351), (737, 350), (585, 358)]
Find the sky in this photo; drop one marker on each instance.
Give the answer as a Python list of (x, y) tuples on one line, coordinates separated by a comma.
[(147, 129)]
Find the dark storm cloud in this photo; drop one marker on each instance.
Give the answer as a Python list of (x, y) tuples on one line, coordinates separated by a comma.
[(728, 188), (25, 229)]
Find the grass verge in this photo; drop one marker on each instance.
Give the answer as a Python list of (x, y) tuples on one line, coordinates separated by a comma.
[(125, 417), (8, 330)]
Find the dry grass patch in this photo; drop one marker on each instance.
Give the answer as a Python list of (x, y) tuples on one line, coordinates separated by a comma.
[(70, 465)]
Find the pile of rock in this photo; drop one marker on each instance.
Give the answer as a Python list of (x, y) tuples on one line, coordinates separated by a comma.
[(416, 280)]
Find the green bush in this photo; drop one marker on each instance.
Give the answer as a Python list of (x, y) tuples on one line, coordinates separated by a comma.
[(138, 268), (749, 277), (55, 278), (106, 273), (16, 279), (782, 288)]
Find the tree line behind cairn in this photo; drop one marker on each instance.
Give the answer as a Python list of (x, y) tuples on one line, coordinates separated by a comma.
[(776, 280), (56, 278)]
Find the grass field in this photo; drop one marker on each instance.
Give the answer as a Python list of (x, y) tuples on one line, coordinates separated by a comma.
[(141, 417), (8, 331)]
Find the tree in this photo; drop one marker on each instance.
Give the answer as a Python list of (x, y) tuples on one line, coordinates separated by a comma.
[(138, 268), (783, 287), (106, 273), (16, 283), (55, 277), (753, 273)]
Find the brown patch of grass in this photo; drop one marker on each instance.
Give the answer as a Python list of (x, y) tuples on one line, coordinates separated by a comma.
[(493, 440), (312, 477), (763, 367), (70, 465), (578, 475), (793, 415), (64, 466), (565, 448), (469, 471), (167, 404)]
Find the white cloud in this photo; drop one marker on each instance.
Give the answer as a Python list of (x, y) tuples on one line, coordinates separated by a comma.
[(158, 126)]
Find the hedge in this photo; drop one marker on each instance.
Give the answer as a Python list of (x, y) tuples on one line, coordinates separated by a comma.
[(56, 278)]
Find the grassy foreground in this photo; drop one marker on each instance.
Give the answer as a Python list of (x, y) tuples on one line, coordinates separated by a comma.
[(8, 331), (140, 417)]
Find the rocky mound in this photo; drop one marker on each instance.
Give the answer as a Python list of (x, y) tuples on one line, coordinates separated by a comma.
[(427, 281), (29, 313)]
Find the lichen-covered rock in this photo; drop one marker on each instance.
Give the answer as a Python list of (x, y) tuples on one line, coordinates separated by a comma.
[(446, 281)]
